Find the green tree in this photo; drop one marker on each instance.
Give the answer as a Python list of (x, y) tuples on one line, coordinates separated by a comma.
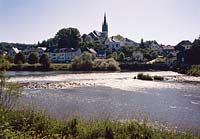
[(68, 38), (4, 63), (44, 60), (19, 58), (121, 56), (33, 58), (87, 41)]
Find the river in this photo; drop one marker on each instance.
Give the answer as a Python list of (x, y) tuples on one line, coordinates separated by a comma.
[(175, 101)]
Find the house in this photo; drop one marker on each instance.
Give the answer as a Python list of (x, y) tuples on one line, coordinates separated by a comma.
[(112, 43), (62, 55), (38, 51), (167, 49), (89, 50), (13, 51), (102, 36), (183, 45), (171, 60), (125, 41), (101, 54), (181, 49), (138, 56), (153, 45), (96, 35)]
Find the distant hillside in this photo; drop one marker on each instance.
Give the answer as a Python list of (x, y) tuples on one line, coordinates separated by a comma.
[(5, 46)]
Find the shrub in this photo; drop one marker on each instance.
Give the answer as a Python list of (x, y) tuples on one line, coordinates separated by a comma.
[(19, 58), (33, 58), (160, 78), (45, 61), (4, 63), (112, 64), (9, 93), (84, 62), (106, 65), (142, 76), (194, 70)]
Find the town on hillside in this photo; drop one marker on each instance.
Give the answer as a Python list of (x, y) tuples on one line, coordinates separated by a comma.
[(68, 44)]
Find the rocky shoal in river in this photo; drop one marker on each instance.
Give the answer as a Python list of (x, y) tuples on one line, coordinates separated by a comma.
[(73, 84), (54, 85)]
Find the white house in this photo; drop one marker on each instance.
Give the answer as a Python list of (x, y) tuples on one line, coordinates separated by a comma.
[(138, 56), (13, 51), (62, 55), (171, 59), (112, 43), (38, 51), (185, 44)]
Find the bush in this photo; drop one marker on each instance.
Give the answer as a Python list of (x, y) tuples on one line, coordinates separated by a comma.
[(45, 61), (106, 65), (84, 62), (9, 93), (142, 76), (194, 70), (160, 78), (19, 58), (4, 63), (33, 58)]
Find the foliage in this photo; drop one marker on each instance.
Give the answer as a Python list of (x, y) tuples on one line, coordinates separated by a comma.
[(159, 60), (68, 38), (194, 70), (7, 46), (10, 59), (4, 63), (156, 77), (29, 124), (33, 58), (9, 92), (84, 62), (19, 58), (45, 61), (121, 56), (193, 54), (106, 65), (142, 76)]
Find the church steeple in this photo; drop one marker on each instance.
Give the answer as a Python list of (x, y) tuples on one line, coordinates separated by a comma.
[(105, 26)]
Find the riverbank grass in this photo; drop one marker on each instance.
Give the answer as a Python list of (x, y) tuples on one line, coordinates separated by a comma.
[(148, 77), (29, 124), (194, 70), (39, 67)]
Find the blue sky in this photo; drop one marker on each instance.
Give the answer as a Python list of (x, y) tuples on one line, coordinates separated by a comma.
[(167, 21)]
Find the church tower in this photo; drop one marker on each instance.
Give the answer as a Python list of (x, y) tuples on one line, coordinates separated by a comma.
[(105, 26)]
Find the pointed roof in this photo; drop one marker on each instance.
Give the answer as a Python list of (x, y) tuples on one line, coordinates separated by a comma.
[(104, 25)]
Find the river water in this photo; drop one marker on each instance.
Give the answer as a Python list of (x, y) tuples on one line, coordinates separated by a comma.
[(118, 95)]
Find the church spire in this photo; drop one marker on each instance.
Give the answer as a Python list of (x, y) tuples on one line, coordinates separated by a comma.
[(105, 25)]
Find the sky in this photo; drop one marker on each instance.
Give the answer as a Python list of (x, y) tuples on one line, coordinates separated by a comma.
[(167, 21)]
